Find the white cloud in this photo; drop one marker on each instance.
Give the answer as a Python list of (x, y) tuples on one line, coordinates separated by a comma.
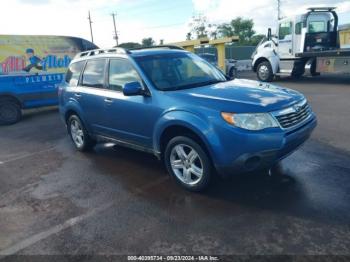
[(69, 17)]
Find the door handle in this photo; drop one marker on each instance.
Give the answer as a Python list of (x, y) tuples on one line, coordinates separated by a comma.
[(108, 100), (77, 94)]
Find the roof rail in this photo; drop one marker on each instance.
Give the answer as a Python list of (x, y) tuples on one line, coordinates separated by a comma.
[(313, 9), (116, 50), (158, 47)]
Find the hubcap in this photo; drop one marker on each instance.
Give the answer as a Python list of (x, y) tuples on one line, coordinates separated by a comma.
[(186, 164), (77, 133), (263, 72)]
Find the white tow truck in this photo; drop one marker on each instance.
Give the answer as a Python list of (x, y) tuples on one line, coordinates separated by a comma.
[(305, 44)]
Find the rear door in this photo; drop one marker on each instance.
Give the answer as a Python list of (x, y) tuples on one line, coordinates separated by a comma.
[(91, 94)]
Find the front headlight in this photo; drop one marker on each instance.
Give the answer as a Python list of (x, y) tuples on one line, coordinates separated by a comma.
[(256, 121)]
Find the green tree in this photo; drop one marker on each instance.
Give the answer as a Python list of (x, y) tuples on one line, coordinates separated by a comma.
[(200, 27), (130, 45), (256, 39), (238, 27), (147, 42)]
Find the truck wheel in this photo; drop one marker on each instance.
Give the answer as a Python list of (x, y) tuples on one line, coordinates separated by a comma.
[(79, 134), (188, 163), (10, 112), (264, 72), (232, 73)]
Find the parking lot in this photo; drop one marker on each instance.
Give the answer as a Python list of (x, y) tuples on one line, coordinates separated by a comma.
[(55, 200)]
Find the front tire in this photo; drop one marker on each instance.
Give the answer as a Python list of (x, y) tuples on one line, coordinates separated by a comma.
[(10, 112), (232, 73), (79, 135), (264, 72), (188, 163)]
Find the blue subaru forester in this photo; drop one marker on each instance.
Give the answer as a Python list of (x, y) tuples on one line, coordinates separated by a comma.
[(175, 105)]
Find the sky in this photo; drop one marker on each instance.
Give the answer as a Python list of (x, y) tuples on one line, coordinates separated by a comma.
[(136, 19)]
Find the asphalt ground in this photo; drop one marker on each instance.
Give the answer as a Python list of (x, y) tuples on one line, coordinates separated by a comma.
[(115, 201)]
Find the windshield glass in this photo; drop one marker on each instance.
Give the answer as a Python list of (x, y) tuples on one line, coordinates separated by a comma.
[(176, 71)]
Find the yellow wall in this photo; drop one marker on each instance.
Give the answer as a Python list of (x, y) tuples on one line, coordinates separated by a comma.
[(344, 37)]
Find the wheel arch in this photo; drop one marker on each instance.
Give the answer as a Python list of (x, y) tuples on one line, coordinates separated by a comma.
[(73, 110), (259, 61), (12, 98), (184, 123), (180, 130)]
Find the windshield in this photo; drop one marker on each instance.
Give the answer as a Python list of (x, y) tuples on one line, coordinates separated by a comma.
[(176, 71)]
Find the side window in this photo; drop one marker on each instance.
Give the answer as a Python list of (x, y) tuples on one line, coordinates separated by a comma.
[(121, 72), (93, 75), (73, 73), (298, 27), (317, 27), (285, 29)]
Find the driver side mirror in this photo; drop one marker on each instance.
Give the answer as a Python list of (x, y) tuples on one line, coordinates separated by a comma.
[(269, 35), (133, 89)]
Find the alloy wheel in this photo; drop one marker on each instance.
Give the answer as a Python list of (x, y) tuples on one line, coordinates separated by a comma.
[(186, 164), (77, 133)]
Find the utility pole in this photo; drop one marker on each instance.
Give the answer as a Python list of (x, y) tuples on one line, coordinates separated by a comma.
[(90, 23), (278, 10), (115, 29)]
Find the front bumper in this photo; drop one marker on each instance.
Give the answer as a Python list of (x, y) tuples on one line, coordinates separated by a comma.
[(266, 158)]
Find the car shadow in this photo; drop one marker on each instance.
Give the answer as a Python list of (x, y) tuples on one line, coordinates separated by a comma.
[(29, 114), (284, 192)]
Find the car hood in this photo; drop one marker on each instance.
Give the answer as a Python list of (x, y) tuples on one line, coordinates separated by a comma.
[(240, 96)]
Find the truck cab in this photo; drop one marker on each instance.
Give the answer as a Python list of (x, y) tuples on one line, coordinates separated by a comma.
[(298, 45)]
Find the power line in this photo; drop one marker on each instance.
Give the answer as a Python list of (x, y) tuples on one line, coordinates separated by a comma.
[(90, 23)]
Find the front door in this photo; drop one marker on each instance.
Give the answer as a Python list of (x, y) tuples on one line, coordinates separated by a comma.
[(130, 118), (285, 40)]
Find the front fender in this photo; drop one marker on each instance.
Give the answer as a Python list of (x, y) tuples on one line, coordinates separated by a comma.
[(196, 124)]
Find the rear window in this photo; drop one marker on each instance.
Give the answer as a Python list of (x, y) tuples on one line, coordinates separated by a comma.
[(317, 27), (73, 73), (93, 75)]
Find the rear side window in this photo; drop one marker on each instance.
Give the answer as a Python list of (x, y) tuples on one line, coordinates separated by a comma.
[(93, 75), (73, 73), (121, 72)]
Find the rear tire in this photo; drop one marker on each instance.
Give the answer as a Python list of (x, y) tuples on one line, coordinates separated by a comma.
[(188, 163), (79, 135), (264, 72), (10, 112)]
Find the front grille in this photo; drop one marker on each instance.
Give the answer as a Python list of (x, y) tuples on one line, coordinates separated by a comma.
[(291, 119)]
